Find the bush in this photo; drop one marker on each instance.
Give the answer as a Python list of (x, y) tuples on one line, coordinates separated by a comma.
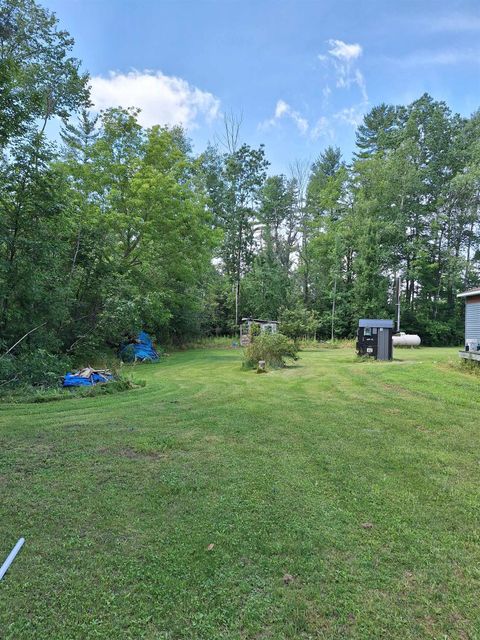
[(274, 348), (128, 354), (37, 368), (298, 322), (255, 329)]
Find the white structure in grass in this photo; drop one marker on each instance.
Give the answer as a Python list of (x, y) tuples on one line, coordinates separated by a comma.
[(471, 350), (11, 557), (266, 326), (406, 340)]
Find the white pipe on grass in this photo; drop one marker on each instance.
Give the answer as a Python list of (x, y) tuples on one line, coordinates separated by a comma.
[(11, 557)]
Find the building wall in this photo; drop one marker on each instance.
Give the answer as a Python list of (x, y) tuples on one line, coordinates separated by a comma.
[(472, 320), (270, 327)]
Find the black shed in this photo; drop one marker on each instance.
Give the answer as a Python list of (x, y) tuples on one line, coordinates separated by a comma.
[(374, 338)]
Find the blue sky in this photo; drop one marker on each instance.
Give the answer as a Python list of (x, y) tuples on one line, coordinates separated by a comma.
[(300, 72)]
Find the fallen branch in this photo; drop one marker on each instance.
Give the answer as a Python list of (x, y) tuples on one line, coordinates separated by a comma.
[(22, 338), (4, 382), (79, 339)]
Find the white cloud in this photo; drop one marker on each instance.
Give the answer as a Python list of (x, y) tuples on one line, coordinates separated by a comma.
[(281, 109), (360, 80), (351, 115), (322, 128), (284, 110), (164, 100), (343, 59), (344, 51)]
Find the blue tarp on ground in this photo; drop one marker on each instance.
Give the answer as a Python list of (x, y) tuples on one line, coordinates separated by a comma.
[(143, 348), (86, 378)]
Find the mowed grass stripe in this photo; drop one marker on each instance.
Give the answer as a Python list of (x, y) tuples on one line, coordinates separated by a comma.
[(119, 498)]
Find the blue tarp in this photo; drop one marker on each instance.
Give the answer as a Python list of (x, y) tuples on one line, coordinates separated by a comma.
[(142, 348), (86, 378)]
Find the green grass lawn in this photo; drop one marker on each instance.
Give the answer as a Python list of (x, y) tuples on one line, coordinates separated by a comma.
[(119, 498)]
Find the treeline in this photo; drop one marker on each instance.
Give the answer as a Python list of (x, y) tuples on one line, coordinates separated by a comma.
[(117, 227), (334, 238)]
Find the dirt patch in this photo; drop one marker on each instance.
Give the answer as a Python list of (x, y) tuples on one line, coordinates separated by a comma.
[(409, 579), (396, 389), (131, 454), (460, 624), (76, 426), (394, 411), (420, 427), (213, 439)]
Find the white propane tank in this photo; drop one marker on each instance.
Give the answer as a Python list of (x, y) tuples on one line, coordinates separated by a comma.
[(406, 340)]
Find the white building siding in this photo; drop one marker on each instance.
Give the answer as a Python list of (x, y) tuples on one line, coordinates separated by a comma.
[(472, 320)]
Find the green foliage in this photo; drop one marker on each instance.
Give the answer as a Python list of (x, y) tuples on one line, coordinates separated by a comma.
[(124, 228), (210, 342), (405, 208), (233, 182), (265, 287), (441, 332), (122, 383), (255, 329), (151, 234), (298, 322), (371, 285), (274, 348), (279, 216), (111, 236), (470, 367), (128, 353), (35, 368), (39, 78), (306, 344)]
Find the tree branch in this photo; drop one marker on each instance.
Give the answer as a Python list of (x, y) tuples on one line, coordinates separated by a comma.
[(22, 338)]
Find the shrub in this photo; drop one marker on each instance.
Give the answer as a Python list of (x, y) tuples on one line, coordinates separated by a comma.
[(255, 329), (298, 322), (128, 354), (274, 348), (37, 368)]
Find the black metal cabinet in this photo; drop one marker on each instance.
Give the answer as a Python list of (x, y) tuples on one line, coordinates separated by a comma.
[(374, 338)]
